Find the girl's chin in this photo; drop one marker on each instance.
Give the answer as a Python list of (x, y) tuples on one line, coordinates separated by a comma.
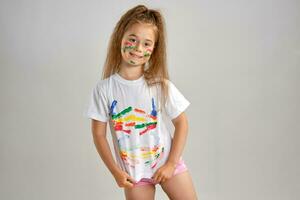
[(134, 63)]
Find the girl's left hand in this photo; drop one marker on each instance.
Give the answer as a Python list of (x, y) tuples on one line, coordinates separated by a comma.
[(164, 173)]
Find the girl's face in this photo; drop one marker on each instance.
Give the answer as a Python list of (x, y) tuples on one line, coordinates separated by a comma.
[(138, 44)]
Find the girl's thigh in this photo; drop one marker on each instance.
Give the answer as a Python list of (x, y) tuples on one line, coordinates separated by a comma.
[(146, 192), (180, 187)]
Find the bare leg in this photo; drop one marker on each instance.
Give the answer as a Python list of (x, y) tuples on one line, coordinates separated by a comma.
[(146, 192), (180, 187)]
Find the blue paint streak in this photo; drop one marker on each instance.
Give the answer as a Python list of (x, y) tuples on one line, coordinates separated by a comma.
[(112, 107), (153, 112)]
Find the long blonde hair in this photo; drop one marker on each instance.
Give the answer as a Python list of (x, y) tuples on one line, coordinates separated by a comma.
[(157, 71)]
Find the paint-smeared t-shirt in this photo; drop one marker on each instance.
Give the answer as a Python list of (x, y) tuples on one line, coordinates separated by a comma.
[(141, 128)]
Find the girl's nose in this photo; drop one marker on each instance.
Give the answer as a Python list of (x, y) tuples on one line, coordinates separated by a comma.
[(139, 47)]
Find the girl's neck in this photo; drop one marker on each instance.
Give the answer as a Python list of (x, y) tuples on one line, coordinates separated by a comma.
[(131, 72)]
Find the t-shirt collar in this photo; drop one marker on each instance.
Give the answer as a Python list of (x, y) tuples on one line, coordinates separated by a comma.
[(118, 77)]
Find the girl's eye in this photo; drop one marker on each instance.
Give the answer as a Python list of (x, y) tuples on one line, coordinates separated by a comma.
[(132, 40), (147, 44)]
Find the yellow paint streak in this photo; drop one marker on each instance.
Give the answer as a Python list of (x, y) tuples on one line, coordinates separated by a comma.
[(143, 155), (131, 118)]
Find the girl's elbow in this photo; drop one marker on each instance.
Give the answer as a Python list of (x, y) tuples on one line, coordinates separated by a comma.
[(180, 120)]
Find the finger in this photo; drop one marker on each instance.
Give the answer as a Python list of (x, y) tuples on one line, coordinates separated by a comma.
[(131, 179), (162, 178), (158, 178), (128, 184), (154, 176)]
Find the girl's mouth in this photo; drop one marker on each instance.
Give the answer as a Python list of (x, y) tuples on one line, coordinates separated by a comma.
[(135, 56)]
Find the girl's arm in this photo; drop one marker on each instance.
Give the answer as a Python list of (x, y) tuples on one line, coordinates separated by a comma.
[(179, 139), (101, 143)]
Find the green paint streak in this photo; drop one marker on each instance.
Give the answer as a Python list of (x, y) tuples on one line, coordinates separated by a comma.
[(139, 126), (144, 124), (129, 47), (123, 112), (147, 162), (132, 62), (157, 155), (147, 54)]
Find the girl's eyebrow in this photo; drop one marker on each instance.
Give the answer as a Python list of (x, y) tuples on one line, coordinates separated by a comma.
[(138, 37)]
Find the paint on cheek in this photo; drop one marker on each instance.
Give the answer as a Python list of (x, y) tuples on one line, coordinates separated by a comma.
[(128, 46), (148, 52), (132, 62)]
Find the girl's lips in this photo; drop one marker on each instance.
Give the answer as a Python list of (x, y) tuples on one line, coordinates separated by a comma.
[(136, 56)]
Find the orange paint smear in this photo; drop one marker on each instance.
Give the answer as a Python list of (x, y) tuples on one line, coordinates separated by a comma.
[(139, 110), (130, 124)]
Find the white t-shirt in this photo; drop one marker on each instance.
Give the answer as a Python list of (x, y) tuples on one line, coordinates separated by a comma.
[(140, 129)]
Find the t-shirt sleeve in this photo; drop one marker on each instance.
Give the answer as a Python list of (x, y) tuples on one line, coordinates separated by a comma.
[(97, 105), (176, 103)]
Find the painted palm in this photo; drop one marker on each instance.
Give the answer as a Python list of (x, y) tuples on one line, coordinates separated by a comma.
[(135, 128)]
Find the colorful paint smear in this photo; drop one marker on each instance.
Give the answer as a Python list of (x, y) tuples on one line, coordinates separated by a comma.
[(128, 120), (148, 52), (130, 46)]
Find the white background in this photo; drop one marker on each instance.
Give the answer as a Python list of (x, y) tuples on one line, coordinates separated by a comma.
[(237, 62)]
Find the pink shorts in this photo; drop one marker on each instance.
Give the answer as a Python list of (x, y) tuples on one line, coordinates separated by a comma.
[(181, 167)]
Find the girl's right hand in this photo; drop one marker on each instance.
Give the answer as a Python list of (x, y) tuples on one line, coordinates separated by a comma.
[(123, 179)]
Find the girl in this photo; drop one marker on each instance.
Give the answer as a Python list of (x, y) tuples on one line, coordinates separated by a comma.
[(138, 100)]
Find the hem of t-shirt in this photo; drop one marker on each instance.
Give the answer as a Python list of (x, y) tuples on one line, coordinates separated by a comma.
[(96, 117), (180, 110), (148, 175)]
